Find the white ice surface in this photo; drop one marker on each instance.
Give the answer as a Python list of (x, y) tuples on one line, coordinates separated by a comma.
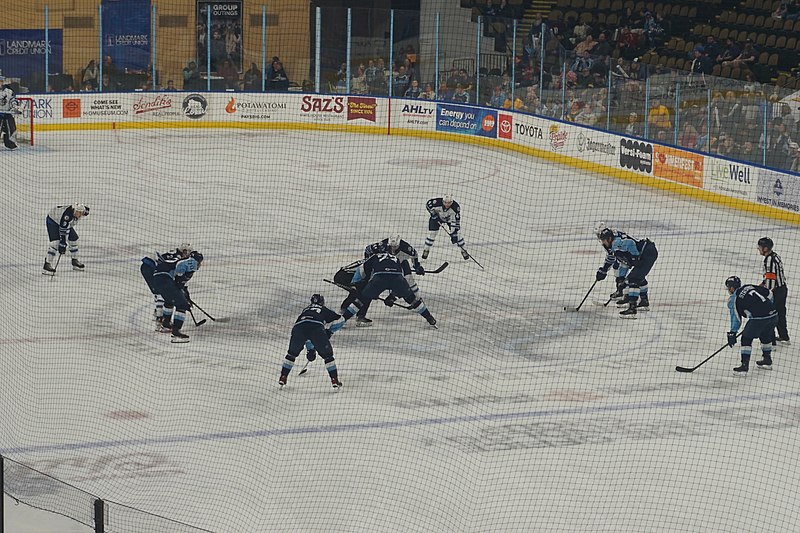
[(513, 416)]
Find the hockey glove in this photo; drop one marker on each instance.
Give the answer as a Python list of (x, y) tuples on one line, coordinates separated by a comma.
[(419, 270), (389, 300), (62, 248), (601, 274), (731, 339), (454, 238)]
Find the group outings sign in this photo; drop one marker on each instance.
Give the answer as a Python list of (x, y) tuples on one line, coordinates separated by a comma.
[(554, 140)]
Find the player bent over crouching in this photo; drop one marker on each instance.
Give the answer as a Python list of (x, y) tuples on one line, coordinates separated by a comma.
[(385, 272), (310, 326)]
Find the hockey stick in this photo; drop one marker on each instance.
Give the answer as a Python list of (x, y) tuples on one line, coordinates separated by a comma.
[(470, 256), (304, 369), (351, 290), (442, 267), (55, 268), (196, 323), (692, 369), (222, 319), (576, 309)]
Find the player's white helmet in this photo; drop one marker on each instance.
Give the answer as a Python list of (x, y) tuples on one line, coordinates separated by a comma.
[(80, 208), (447, 200), (185, 249), (393, 243)]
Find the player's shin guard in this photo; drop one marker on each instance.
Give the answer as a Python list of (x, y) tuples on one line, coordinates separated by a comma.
[(177, 324), (52, 251), (159, 303), (352, 309), (745, 366), (330, 366)]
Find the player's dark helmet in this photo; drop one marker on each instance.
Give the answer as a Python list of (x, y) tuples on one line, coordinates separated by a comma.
[(605, 233), (317, 299), (765, 242), (733, 282)]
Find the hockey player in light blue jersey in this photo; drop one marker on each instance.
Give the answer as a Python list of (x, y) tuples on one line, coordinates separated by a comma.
[(638, 255), (148, 270), (167, 281), (611, 262)]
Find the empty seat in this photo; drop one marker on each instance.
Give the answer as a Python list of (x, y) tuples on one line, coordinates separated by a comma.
[(604, 5), (763, 57), (692, 12), (616, 6), (780, 42), (761, 39), (684, 11), (733, 34), (788, 25), (723, 34), (750, 21), (773, 60), (770, 41), (759, 22), (791, 43), (612, 19), (590, 4)]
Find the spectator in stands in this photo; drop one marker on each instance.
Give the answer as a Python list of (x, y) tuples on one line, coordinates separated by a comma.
[(218, 49), (581, 31), (792, 11), (659, 118), (582, 61), (584, 79), (712, 47), (729, 52), (428, 93), (358, 84), (412, 74), (794, 157), (745, 59), (603, 47), (170, 86), (400, 82), (633, 127), (376, 81), (750, 152), (90, 75), (459, 76), (688, 136), (87, 88), (108, 85), (191, 76), (730, 112), (413, 90), (700, 66), (229, 73), (777, 144), (109, 67), (586, 115), (586, 45), (726, 146), (461, 95), (653, 31), (628, 44), (519, 105), (498, 97), (279, 80), (252, 78)]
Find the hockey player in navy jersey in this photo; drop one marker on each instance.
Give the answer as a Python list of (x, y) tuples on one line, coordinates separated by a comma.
[(611, 262), (443, 211), (638, 255), (310, 326), (148, 269), (168, 281), (385, 272), (753, 302), (407, 256), (61, 222)]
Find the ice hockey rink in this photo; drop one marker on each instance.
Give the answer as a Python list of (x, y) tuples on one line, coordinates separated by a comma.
[(513, 416)]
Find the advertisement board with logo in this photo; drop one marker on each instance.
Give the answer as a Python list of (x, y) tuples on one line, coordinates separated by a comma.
[(678, 166), (636, 156), (557, 135), (146, 106), (126, 33), (224, 37), (595, 146), (730, 178), (266, 108), (779, 190), (414, 114), (22, 53), (524, 129), (467, 120)]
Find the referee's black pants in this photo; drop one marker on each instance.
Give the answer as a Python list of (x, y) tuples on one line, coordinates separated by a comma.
[(779, 297)]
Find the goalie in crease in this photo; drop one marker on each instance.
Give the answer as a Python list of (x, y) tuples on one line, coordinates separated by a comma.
[(8, 108)]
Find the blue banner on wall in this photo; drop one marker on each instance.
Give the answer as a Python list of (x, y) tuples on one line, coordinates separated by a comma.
[(22, 53), (126, 33), (466, 119)]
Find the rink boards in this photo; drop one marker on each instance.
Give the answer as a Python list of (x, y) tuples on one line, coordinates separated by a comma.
[(732, 183)]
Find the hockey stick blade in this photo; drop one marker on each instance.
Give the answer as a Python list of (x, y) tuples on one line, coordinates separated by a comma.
[(571, 309), (442, 267), (684, 369), (305, 369), (223, 320)]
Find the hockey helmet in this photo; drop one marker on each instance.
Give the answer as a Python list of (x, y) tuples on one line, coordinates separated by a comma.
[(765, 242), (80, 209), (447, 200), (317, 299), (197, 256), (393, 243), (733, 282), (185, 249)]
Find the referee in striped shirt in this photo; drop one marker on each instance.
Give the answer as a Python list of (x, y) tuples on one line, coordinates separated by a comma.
[(775, 281)]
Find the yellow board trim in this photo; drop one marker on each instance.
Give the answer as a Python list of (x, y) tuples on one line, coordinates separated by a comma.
[(626, 175)]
